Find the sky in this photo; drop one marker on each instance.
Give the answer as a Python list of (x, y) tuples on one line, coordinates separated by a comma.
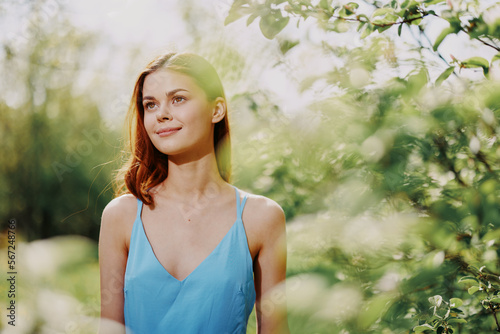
[(158, 25), (152, 26)]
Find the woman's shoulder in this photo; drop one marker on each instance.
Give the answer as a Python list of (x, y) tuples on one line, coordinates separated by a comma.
[(120, 209), (263, 211), (264, 221)]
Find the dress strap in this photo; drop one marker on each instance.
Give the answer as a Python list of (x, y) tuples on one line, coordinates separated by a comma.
[(239, 206), (139, 209)]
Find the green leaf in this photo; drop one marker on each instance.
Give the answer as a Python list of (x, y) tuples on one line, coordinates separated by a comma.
[(324, 4), (495, 57), (360, 26), (417, 81), (272, 23), (436, 300), (441, 37), (409, 4), (353, 5), (399, 29), (382, 11), (421, 328), (416, 22), (366, 19), (456, 302), (495, 300), (308, 82), (373, 310), (251, 18), (457, 321), (367, 30), (491, 235), (477, 62), (473, 269), (443, 76), (468, 279), (286, 45), (391, 18), (339, 26), (473, 289), (238, 9), (350, 8), (382, 29)]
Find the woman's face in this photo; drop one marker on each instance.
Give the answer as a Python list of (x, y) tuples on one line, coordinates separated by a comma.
[(177, 115)]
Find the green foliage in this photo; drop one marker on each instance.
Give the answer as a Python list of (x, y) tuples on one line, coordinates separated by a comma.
[(58, 290), (408, 175), (444, 316), (443, 76), (55, 142), (464, 16), (477, 62)]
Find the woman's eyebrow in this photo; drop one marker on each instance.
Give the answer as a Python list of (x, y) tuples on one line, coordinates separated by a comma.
[(172, 92)]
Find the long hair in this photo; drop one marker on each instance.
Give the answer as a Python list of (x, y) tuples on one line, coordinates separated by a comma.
[(146, 166)]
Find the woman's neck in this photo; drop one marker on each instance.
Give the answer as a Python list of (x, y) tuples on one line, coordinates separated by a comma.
[(191, 179)]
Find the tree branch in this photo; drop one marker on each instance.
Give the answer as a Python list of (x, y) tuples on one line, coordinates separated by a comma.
[(437, 52), (495, 316), (382, 25), (442, 146), (488, 44)]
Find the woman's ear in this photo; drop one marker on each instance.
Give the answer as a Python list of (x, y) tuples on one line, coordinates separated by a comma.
[(219, 110)]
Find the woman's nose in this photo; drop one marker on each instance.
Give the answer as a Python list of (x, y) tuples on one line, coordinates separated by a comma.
[(163, 114)]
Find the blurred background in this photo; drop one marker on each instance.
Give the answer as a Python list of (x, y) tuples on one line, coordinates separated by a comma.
[(374, 124)]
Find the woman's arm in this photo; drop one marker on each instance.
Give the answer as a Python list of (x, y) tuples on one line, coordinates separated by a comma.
[(113, 260), (270, 269)]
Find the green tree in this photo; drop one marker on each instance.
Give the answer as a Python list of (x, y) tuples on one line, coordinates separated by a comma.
[(55, 143)]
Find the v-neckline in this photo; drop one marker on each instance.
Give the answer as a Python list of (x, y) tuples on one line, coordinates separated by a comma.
[(206, 258)]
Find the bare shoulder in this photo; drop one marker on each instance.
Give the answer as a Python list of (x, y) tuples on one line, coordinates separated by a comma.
[(264, 209), (120, 209), (263, 215), (118, 219), (265, 224)]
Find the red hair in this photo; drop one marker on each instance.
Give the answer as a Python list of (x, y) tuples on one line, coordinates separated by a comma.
[(146, 166)]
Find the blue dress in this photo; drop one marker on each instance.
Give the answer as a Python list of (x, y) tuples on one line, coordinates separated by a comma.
[(217, 297)]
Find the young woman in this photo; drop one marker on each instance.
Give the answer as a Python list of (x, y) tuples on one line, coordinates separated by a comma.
[(184, 251)]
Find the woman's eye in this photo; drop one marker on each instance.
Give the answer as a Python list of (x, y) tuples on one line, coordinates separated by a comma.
[(149, 105), (178, 99)]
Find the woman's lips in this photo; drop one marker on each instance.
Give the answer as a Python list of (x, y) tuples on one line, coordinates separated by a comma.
[(167, 131)]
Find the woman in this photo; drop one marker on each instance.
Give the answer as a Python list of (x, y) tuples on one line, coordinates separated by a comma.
[(184, 251)]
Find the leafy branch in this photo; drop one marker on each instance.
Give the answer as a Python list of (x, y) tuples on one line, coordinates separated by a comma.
[(329, 17), (363, 19), (488, 44)]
